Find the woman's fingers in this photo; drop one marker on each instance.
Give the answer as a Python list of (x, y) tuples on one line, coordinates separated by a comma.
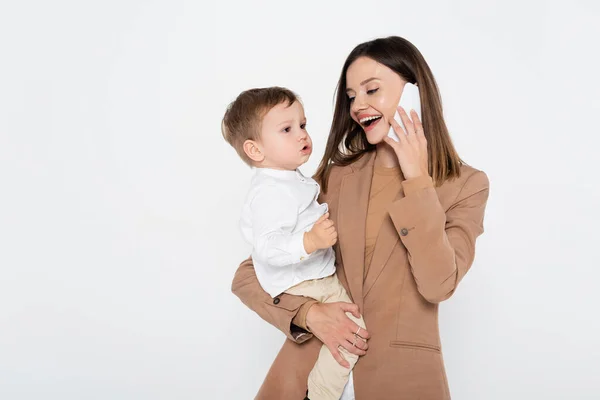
[(395, 145), (399, 131), (352, 345), (418, 126), (350, 308), (419, 131), (408, 124), (355, 335), (362, 333), (335, 352), (357, 342), (330, 322)]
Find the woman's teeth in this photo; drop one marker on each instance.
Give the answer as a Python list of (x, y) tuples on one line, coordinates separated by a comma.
[(369, 120)]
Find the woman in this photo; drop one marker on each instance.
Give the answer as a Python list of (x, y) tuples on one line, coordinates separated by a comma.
[(407, 214)]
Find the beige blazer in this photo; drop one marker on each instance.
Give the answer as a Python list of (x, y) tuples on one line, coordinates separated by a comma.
[(423, 250)]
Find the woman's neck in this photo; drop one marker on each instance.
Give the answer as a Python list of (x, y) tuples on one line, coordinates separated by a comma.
[(385, 156)]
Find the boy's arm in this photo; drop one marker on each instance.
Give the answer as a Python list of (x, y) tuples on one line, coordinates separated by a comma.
[(285, 312), (274, 216)]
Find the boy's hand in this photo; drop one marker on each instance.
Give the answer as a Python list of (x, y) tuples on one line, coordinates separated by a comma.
[(322, 235)]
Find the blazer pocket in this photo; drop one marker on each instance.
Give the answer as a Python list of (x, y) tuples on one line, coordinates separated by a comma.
[(416, 346)]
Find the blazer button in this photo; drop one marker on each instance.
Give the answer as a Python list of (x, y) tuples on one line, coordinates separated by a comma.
[(276, 300), (404, 231)]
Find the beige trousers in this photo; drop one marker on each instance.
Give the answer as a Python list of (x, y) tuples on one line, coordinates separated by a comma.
[(327, 379)]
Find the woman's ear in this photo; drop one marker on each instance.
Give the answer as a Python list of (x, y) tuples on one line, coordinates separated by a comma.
[(252, 150)]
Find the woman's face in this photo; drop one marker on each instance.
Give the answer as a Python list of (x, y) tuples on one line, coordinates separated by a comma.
[(374, 91)]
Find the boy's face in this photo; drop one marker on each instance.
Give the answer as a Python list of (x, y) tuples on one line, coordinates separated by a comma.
[(284, 142)]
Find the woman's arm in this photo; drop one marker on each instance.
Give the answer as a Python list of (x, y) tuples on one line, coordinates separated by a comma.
[(440, 245), (282, 311), (289, 314)]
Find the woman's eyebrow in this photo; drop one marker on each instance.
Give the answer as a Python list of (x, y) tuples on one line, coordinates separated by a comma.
[(363, 83)]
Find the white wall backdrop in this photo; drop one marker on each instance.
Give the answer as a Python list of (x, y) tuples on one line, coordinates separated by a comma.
[(119, 199)]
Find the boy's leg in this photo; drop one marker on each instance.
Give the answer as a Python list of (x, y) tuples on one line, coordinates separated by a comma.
[(328, 378)]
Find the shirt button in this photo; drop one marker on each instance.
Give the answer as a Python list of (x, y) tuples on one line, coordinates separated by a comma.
[(276, 300), (404, 231)]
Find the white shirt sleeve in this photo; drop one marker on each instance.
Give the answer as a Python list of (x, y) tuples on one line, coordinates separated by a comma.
[(274, 216)]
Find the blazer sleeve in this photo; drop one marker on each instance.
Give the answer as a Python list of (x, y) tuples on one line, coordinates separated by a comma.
[(282, 311), (440, 244)]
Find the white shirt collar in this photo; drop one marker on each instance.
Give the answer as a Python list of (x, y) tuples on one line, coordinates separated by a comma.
[(280, 173)]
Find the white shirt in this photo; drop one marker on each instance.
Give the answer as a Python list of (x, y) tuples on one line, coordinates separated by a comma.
[(279, 208), (348, 393)]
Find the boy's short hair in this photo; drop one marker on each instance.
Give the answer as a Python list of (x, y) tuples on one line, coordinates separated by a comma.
[(243, 117)]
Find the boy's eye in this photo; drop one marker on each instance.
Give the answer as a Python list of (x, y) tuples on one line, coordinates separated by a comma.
[(288, 129), (372, 91), (303, 126)]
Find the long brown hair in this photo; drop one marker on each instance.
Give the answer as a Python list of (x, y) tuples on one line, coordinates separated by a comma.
[(347, 141)]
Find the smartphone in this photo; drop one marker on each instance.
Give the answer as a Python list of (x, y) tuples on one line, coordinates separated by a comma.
[(409, 99)]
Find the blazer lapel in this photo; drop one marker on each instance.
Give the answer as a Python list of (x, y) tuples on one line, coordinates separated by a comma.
[(352, 215), (387, 239)]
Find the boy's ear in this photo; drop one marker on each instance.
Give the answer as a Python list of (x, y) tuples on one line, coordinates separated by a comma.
[(252, 150)]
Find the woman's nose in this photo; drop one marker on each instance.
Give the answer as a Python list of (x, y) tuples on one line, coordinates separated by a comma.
[(358, 104)]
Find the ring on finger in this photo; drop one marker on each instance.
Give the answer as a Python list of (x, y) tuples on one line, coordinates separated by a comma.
[(354, 343), (358, 330)]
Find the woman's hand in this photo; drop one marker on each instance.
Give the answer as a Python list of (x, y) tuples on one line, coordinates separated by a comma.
[(411, 150), (330, 324)]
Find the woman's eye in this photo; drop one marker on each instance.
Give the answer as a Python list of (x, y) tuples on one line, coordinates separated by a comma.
[(372, 91), (350, 99)]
